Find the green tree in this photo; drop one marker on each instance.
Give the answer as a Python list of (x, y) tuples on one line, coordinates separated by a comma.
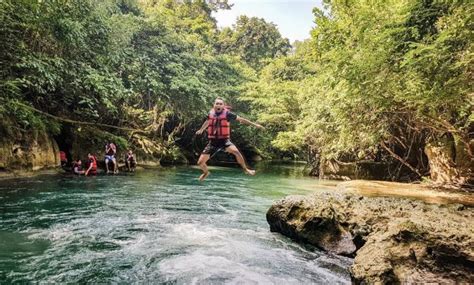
[(390, 77), (127, 64), (253, 40)]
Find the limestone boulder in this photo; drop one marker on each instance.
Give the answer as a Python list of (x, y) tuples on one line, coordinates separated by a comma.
[(393, 239)]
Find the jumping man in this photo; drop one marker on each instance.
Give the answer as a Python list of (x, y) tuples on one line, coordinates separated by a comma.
[(218, 133)]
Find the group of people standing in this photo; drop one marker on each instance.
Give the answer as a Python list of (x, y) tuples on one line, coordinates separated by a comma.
[(110, 157)]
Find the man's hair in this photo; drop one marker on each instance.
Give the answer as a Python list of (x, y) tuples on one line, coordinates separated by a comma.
[(220, 98)]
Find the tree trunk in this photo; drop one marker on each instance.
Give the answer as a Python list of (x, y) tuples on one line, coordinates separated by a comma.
[(449, 162)]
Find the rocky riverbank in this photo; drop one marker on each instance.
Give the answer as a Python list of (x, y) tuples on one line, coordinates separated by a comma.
[(392, 239), (23, 155)]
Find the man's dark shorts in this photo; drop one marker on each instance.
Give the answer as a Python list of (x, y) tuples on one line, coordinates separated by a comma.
[(215, 145)]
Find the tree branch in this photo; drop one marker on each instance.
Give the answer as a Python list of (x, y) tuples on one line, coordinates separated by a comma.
[(400, 159), (79, 122)]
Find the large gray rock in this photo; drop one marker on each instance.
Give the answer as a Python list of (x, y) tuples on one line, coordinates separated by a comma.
[(393, 239), (309, 221)]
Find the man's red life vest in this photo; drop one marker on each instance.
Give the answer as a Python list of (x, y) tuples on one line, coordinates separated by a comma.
[(219, 126), (93, 161)]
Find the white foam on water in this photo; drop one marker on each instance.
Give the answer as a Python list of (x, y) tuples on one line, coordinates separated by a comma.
[(173, 230), (199, 267)]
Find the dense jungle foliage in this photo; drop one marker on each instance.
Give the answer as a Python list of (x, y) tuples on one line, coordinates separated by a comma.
[(377, 80), (380, 81)]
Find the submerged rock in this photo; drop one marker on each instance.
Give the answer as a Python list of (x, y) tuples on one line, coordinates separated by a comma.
[(392, 239)]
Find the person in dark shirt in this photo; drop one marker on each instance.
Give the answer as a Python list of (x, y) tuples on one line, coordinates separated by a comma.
[(130, 161), (77, 167), (218, 133)]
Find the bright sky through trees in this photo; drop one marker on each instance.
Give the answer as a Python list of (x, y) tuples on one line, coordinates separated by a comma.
[(294, 18)]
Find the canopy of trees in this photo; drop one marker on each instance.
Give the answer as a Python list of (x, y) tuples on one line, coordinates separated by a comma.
[(152, 66), (253, 40), (383, 77), (380, 80)]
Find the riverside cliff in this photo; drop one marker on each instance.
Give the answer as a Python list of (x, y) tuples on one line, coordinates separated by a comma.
[(30, 152), (392, 239)]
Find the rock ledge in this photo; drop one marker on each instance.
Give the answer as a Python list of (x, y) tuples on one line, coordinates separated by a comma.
[(392, 239)]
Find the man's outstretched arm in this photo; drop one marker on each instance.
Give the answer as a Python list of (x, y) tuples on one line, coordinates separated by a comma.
[(248, 122), (203, 127)]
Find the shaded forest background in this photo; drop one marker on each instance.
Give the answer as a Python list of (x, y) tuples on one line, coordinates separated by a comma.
[(386, 82)]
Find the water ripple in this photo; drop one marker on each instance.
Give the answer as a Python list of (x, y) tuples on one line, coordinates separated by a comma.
[(160, 227)]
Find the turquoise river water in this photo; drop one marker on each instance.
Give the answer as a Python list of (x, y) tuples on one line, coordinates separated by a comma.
[(157, 226)]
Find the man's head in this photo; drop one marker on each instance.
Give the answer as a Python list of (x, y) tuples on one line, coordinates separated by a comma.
[(79, 162), (130, 152), (219, 105), (90, 155)]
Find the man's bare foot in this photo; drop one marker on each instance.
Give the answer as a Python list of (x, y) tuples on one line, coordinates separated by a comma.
[(249, 172), (204, 176)]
